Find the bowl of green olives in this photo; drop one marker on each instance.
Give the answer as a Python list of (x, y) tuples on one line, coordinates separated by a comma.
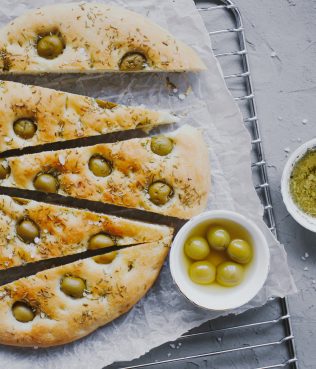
[(220, 260)]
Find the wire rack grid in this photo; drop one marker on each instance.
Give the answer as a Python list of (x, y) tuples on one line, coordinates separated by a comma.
[(261, 338)]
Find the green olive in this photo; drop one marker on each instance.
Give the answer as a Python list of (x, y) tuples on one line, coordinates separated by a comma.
[(106, 258), (133, 61), (196, 248), (100, 240), (22, 312), (161, 145), (46, 182), (218, 238), (25, 128), (73, 286), (240, 251), (105, 104), (50, 46), (4, 169), (27, 230), (99, 166), (160, 193), (202, 272), (229, 274)]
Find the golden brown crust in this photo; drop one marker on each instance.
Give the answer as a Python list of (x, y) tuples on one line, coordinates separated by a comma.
[(112, 290), (61, 116), (64, 231), (96, 37), (135, 167)]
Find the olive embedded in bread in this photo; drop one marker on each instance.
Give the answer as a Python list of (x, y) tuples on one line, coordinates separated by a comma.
[(50, 46), (4, 169), (133, 61), (46, 182), (100, 240), (99, 166), (22, 312), (24, 128), (27, 230), (73, 286), (106, 258), (160, 193), (161, 145)]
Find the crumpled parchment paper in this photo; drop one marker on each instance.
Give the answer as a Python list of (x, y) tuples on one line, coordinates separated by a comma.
[(163, 314)]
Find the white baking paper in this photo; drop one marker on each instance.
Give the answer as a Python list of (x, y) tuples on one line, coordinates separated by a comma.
[(163, 314)]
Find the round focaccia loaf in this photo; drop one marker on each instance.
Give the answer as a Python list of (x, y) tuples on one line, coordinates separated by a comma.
[(133, 168), (110, 290), (60, 116), (92, 37), (64, 231)]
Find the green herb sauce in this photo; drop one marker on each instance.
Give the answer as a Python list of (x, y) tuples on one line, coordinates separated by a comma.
[(303, 183)]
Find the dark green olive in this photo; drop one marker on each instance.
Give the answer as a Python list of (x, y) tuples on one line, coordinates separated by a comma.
[(160, 193), (27, 230), (73, 286), (4, 169), (25, 128), (133, 61), (161, 145), (22, 312), (50, 46), (106, 258), (99, 166), (99, 241), (105, 104), (46, 182)]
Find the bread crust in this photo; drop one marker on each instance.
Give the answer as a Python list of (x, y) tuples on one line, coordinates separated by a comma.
[(112, 290), (64, 231), (134, 167), (96, 37), (61, 116)]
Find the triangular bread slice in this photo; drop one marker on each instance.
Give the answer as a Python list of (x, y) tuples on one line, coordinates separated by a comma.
[(56, 318), (134, 171), (63, 231), (91, 37), (59, 116)]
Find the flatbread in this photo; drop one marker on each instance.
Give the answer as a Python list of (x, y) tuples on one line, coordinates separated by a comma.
[(111, 290), (134, 168), (61, 116), (64, 231), (95, 37)]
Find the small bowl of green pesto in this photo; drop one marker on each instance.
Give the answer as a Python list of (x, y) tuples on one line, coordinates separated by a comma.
[(298, 185)]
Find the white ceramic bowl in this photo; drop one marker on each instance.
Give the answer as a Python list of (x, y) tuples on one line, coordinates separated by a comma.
[(215, 297), (302, 218)]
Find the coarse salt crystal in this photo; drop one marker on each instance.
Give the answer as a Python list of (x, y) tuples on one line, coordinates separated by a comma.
[(306, 269), (175, 90), (304, 121), (273, 54), (306, 255), (181, 96), (7, 139), (36, 240), (172, 345), (287, 149)]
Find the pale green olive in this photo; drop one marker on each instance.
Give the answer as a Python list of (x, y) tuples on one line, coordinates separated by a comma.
[(46, 182), (202, 272), (161, 145), (100, 240), (4, 169), (196, 248), (50, 46), (27, 230), (22, 312), (133, 61), (106, 258), (229, 274), (105, 104), (73, 286), (218, 238), (24, 128), (99, 166), (160, 193), (240, 251)]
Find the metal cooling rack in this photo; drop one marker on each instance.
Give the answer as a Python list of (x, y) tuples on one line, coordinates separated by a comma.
[(260, 338)]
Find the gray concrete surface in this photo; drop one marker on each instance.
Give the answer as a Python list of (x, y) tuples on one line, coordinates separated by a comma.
[(281, 37)]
